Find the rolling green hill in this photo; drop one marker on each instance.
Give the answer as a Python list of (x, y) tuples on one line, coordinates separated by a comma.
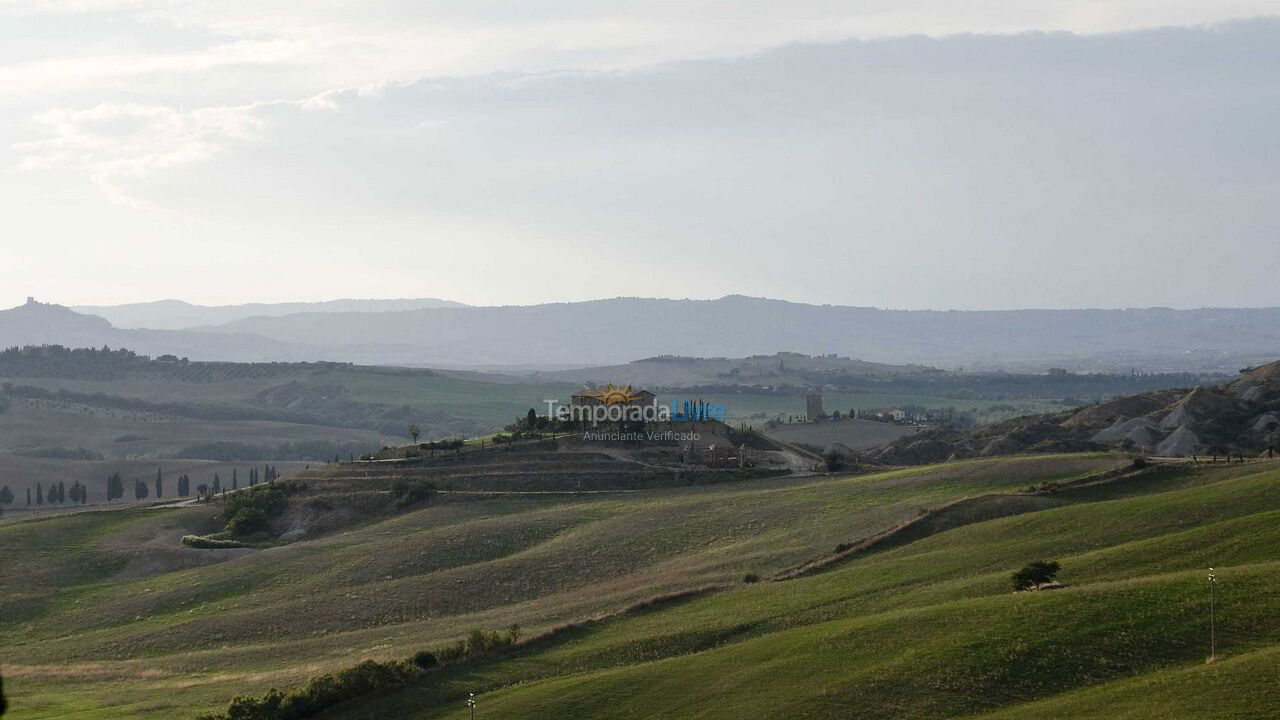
[(930, 629), (113, 618)]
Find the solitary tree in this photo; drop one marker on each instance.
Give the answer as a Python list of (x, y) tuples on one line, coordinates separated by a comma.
[(1035, 574), (201, 490), (159, 484), (235, 479), (39, 494), (140, 489), (6, 496), (217, 484), (531, 418), (415, 431)]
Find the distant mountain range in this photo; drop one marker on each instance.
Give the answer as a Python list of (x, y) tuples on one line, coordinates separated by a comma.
[(620, 330), (179, 315)]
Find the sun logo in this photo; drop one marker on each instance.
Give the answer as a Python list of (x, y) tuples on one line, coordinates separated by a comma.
[(613, 395)]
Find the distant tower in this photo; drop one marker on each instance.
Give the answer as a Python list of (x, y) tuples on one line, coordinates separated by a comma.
[(31, 300), (813, 405)]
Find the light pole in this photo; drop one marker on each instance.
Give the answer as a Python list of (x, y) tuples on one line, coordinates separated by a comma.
[(1213, 641), (471, 703)]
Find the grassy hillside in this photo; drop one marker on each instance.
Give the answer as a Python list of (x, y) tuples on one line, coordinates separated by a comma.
[(114, 619), (930, 629)]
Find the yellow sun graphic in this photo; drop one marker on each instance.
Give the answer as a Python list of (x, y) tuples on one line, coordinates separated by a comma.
[(612, 395)]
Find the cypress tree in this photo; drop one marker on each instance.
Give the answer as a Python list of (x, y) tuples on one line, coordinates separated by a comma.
[(159, 484), (115, 487), (39, 494)]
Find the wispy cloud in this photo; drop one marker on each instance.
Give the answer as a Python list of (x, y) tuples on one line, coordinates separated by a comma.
[(118, 142)]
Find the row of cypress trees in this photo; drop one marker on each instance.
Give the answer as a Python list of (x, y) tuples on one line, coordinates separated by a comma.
[(59, 493)]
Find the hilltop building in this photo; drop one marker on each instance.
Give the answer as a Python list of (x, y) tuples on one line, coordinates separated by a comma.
[(813, 405)]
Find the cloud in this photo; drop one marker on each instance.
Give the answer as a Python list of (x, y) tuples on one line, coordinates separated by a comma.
[(114, 143), (81, 43), (1036, 169)]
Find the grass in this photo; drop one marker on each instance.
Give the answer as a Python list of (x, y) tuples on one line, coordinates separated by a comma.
[(116, 591), (496, 404), (930, 629), (925, 628)]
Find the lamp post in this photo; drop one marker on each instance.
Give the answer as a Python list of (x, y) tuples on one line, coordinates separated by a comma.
[(471, 703), (1213, 641)]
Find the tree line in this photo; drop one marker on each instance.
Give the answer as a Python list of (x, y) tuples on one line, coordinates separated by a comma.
[(59, 493)]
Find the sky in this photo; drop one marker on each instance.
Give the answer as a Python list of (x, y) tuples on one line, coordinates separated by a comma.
[(1070, 153)]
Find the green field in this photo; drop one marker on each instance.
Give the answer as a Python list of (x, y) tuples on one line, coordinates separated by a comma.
[(746, 407), (494, 404), (111, 619), (500, 403)]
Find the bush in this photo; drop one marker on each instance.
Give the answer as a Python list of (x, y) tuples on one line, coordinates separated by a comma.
[(751, 578), (250, 510), (1035, 574), (320, 693), (407, 493), (833, 461), (247, 521), (479, 642), (425, 659), (323, 692), (205, 543)]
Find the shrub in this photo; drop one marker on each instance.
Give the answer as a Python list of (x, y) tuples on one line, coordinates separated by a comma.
[(247, 521), (205, 543), (249, 511), (407, 493), (425, 659), (320, 693), (751, 578), (324, 692), (833, 460)]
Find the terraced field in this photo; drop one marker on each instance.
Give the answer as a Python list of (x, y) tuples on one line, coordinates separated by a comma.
[(105, 615)]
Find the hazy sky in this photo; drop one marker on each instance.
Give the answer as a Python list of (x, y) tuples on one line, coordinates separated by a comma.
[(897, 154)]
